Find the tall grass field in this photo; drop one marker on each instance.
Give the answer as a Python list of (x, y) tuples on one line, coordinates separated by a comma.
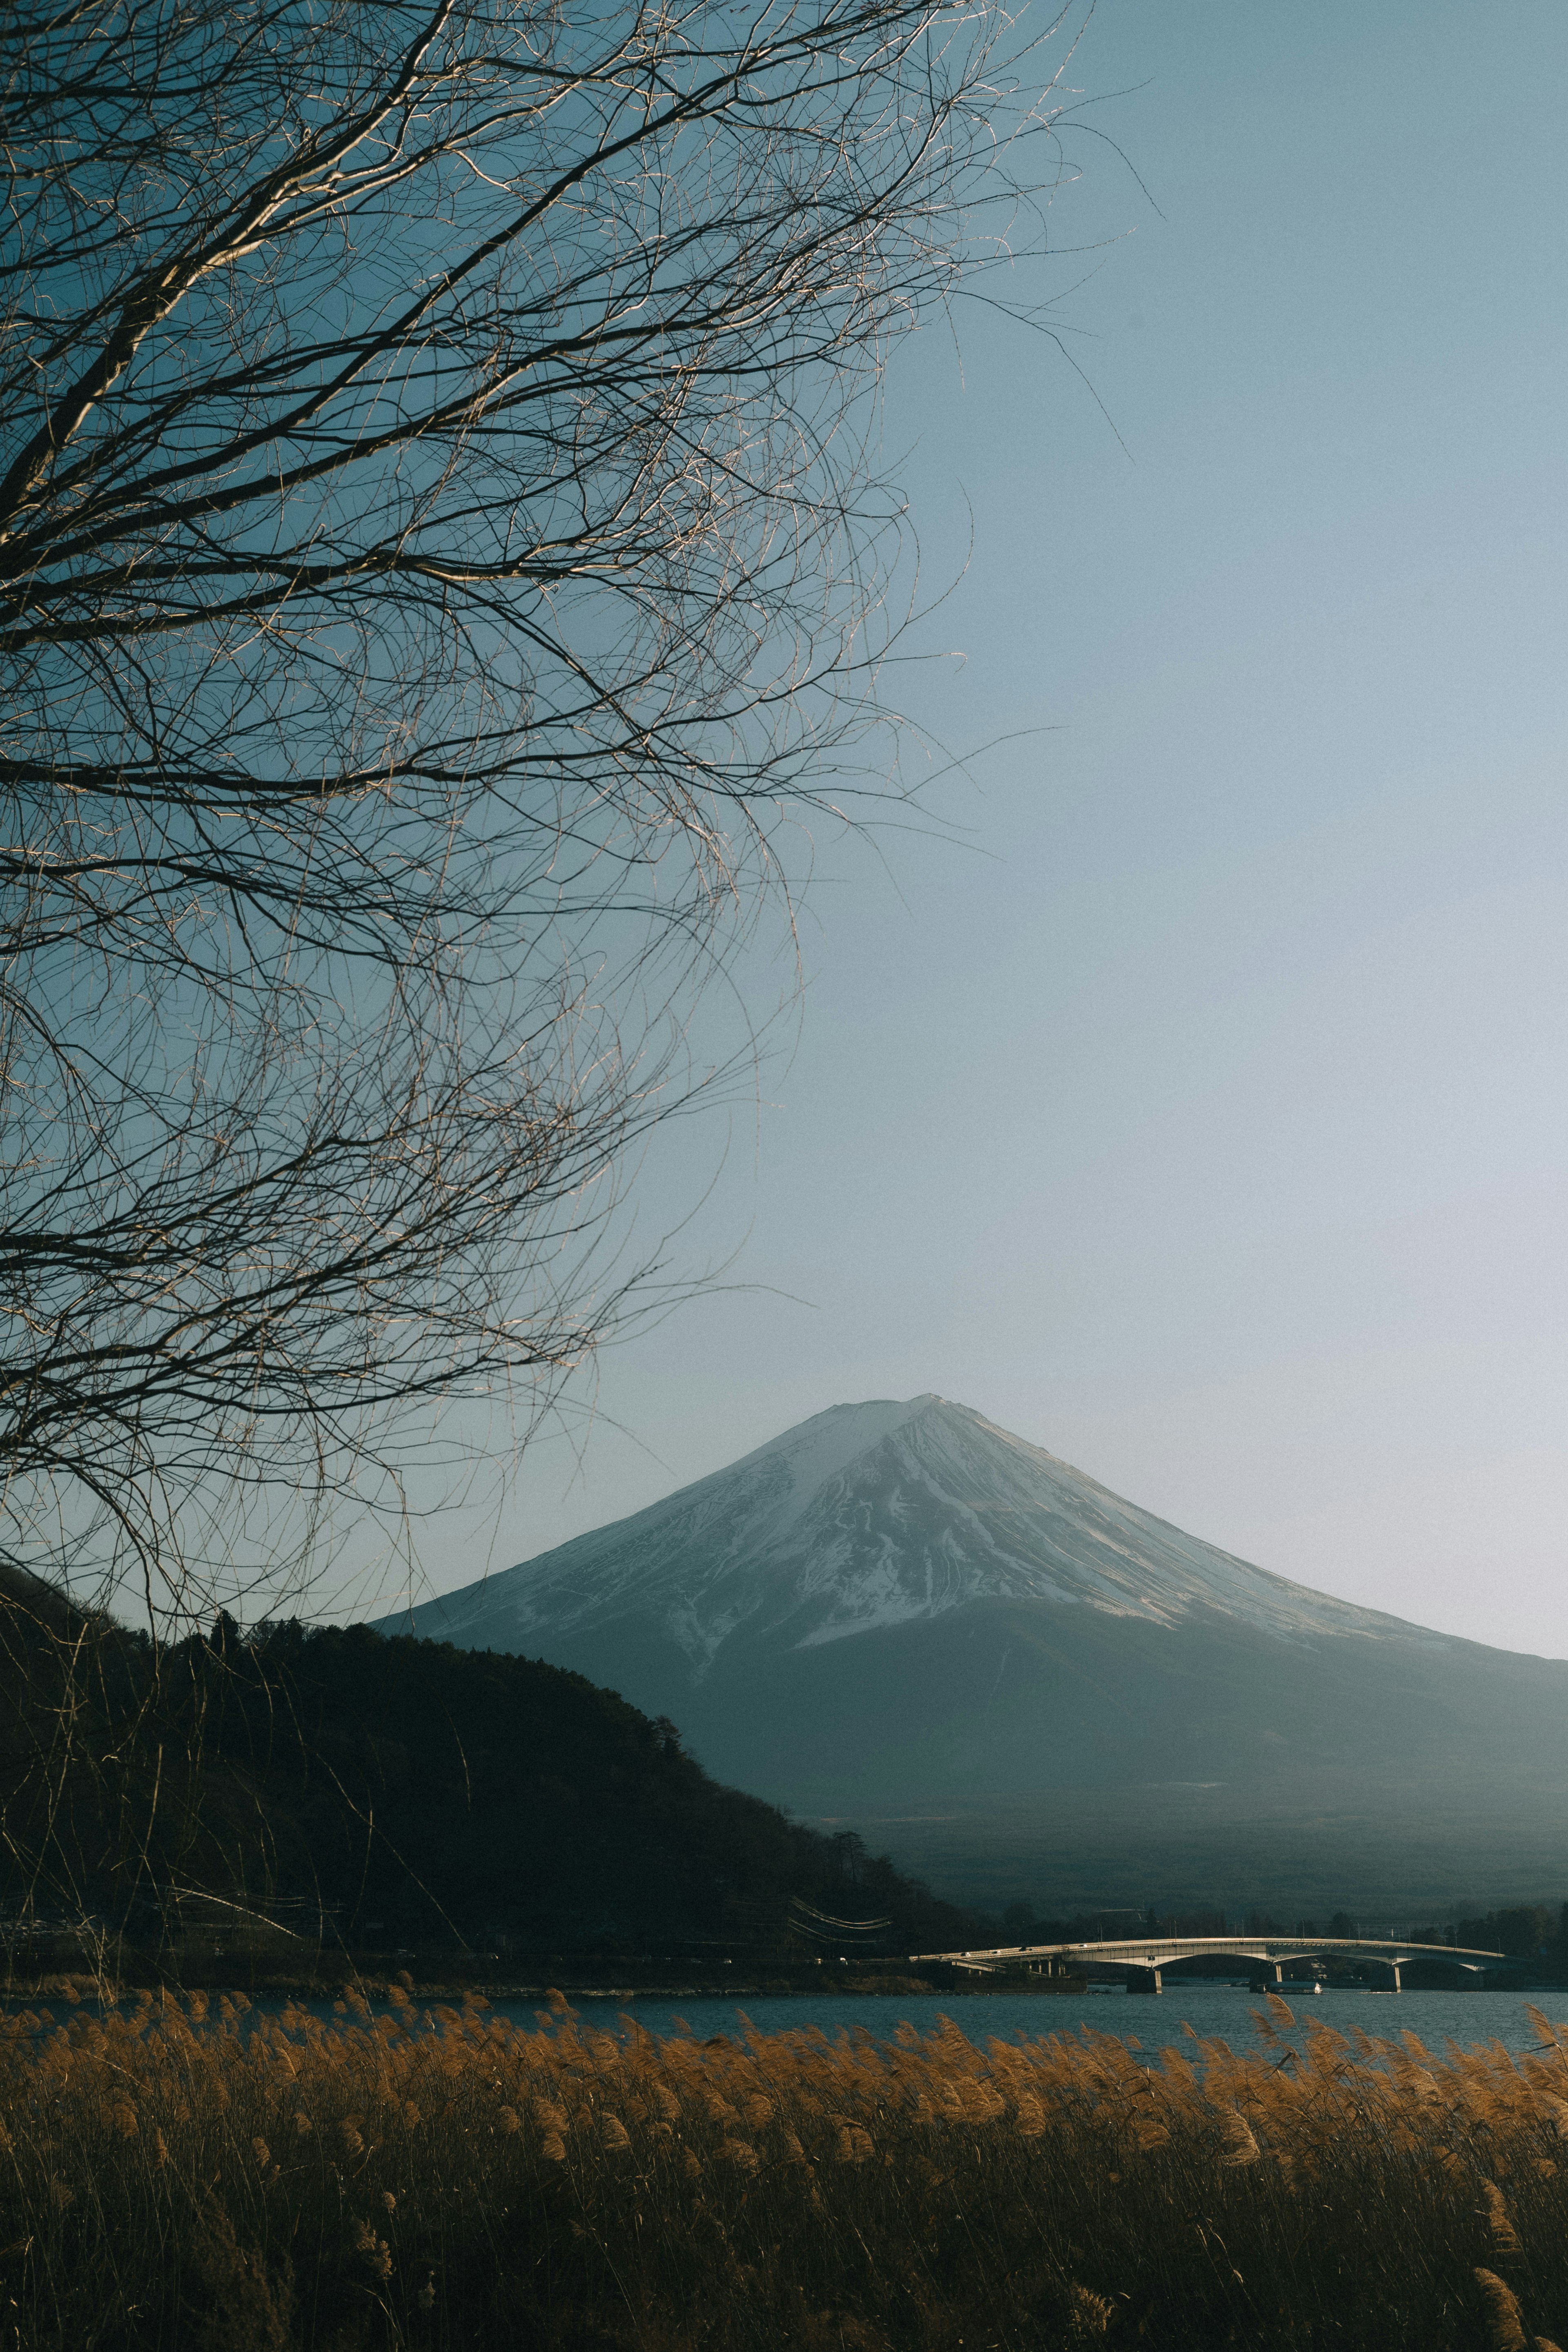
[(176, 2177)]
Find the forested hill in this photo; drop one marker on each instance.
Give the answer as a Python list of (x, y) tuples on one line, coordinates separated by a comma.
[(527, 1802), (420, 1793)]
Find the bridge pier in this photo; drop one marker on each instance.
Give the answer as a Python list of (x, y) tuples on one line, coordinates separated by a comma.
[(1144, 1981)]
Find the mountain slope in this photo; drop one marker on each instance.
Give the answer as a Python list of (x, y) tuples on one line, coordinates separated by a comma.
[(899, 1605)]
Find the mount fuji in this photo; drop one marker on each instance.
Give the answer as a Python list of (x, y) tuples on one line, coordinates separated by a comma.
[(903, 1618)]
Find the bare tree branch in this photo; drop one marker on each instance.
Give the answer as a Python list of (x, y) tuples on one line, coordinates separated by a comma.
[(438, 549)]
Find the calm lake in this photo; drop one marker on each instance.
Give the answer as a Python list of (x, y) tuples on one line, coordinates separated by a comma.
[(1152, 2018)]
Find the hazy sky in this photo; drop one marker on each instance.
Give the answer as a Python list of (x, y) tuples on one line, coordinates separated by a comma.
[(1204, 1120)]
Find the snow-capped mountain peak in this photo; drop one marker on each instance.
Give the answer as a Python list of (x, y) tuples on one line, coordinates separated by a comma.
[(869, 1517)]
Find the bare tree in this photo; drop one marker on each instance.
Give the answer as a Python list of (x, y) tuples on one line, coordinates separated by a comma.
[(438, 548)]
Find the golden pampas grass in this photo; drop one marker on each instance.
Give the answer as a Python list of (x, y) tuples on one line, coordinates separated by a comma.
[(925, 2187), (1505, 2237), (376, 2251), (1091, 2315), (1504, 2321)]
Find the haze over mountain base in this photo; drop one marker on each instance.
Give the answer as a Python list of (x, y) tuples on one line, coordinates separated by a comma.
[(1070, 1851), (902, 1619)]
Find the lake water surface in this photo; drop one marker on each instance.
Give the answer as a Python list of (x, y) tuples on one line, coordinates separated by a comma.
[(1151, 2021), (1154, 2020)]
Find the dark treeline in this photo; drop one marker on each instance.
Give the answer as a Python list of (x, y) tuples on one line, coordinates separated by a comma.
[(399, 1793), (1521, 1931), (1525, 1931)]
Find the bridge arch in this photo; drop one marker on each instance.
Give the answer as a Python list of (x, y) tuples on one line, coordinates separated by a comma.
[(1146, 1956)]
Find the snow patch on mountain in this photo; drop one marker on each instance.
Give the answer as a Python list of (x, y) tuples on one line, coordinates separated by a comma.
[(872, 1516)]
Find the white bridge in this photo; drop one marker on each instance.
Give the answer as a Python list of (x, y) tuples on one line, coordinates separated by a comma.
[(1145, 1956)]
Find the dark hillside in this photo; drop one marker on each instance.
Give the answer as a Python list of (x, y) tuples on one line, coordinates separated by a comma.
[(512, 1800), (414, 1793)]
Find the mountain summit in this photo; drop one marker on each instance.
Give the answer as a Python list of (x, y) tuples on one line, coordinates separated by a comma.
[(868, 1516), (899, 1604)]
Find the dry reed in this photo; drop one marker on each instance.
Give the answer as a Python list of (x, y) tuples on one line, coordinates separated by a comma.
[(177, 2177)]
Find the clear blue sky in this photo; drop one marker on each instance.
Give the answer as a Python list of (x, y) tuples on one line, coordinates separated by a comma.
[(1204, 1120)]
